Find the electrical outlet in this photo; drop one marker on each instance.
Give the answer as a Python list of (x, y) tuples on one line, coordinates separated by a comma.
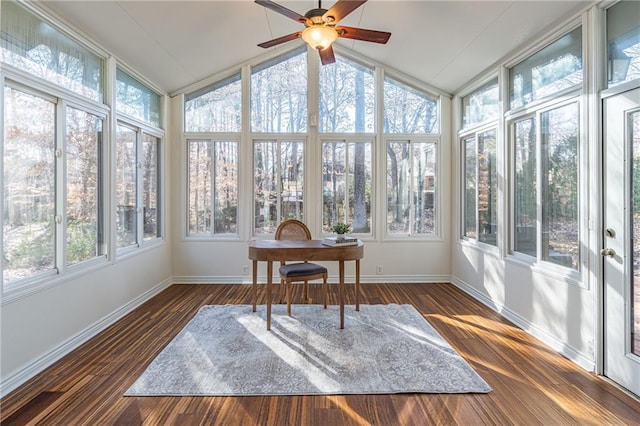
[(379, 270), (245, 270)]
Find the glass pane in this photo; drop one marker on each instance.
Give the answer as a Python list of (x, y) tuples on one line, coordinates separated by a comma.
[(28, 185), (347, 98), (292, 178), (334, 176), (34, 46), (623, 36), (470, 190), (137, 100), (407, 110), (554, 68), (346, 170), (265, 158), (481, 105), (200, 192), (84, 139), (150, 186), (398, 187), (424, 177), (634, 121), (278, 183), (217, 108), (360, 184), (487, 187), (126, 186), (525, 213), (279, 95), (559, 168), (226, 183)]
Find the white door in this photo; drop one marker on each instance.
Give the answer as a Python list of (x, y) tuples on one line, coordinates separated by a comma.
[(621, 240)]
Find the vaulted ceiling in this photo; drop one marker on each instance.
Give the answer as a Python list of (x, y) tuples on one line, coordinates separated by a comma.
[(442, 43)]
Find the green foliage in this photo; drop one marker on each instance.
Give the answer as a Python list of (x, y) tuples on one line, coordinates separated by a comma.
[(340, 228)]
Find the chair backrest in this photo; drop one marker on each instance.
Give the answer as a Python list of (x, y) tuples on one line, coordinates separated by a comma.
[(293, 229)]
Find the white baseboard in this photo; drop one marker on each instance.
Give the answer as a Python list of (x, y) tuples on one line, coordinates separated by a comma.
[(579, 358), (364, 279), (17, 378)]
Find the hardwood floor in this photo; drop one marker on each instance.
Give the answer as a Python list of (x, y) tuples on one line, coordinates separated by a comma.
[(531, 383)]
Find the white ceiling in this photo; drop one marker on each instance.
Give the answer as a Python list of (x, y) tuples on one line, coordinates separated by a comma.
[(442, 43)]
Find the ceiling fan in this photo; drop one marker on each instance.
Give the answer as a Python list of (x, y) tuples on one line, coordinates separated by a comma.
[(320, 27)]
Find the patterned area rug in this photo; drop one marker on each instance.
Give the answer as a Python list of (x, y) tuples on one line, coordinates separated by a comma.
[(226, 350)]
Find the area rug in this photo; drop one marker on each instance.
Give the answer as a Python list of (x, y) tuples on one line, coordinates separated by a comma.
[(226, 350)]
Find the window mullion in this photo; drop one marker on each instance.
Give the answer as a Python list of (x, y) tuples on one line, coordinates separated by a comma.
[(212, 185), (539, 186), (139, 187), (476, 213)]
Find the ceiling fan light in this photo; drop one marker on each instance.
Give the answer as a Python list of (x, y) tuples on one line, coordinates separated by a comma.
[(319, 36)]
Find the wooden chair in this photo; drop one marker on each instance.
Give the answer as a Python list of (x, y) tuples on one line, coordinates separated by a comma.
[(293, 229)]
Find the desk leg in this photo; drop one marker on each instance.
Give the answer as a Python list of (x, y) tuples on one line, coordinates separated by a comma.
[(357, 284), (269, 284), (341, 294), (255, 284)]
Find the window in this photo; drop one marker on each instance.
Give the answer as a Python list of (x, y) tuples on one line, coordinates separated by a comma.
[(45, 230), (137, 100), (138, 154), (623, 37), (406, 110), (34, 46), (346, 185), (83, 178), (347, 98), (216, 108), (278, 183), (29, 228), (411, 183), (213, 187), (554, 226), (279, 95), (481, 105), (547, 72), (480, 187)]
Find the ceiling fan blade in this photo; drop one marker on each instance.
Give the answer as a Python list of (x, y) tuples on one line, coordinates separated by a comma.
[(282, 10), (373, 36), (327, 56), (342, 8), (280, 40)]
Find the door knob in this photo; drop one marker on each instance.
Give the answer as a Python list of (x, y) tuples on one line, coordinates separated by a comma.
[(608, 252)]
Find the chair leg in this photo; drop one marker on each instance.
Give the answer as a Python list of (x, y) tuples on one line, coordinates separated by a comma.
[(306, 292), (288, 287), (324, 291)]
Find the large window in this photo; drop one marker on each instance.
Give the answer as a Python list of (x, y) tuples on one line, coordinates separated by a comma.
[(623, 37), (32, 45), (213, 187), (138, 156), (546, 188), (407, 110), (545, 142), (49, 226), (346, 185), (216, 108), (29, 228), (555, 68), (279, 95), (347, 98), (278, 183), (411, 187), (480, 187)]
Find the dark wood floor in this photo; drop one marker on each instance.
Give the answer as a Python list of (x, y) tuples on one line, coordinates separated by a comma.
[(531, 383)]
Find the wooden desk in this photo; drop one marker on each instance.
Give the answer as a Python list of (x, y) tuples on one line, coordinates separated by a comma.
[(302, 250)]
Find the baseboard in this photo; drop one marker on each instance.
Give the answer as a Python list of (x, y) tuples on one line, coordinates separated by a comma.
[(577, 357), (364, 279), (17, 378)]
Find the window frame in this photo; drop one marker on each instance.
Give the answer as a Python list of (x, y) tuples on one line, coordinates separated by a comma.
[(537, 262)]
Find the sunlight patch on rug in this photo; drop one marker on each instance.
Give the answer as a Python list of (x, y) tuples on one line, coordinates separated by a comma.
[(226, 350)]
